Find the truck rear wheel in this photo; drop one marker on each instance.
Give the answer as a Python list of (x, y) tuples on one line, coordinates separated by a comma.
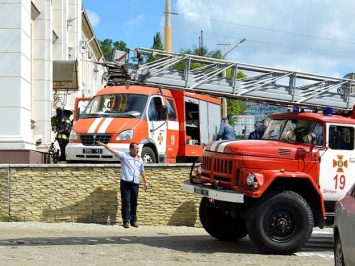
[(221, 221), (280, 224), (148, 155)]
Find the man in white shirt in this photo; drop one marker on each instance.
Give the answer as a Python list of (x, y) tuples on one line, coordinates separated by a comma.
[(131, 168)]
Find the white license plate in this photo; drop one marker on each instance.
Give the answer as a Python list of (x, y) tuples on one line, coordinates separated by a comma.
[(92, 151), (201, 191)]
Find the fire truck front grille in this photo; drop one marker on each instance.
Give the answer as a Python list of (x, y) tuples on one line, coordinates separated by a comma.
[(90, 139), (222, 166), (218, 169)]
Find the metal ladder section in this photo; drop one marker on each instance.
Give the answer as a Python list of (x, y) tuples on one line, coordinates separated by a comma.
[(207, 75)]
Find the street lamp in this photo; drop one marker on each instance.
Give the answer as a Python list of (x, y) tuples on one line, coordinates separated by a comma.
[(239, 44), (224, 100)]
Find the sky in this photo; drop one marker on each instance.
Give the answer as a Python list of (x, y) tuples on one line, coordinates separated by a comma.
[(311, 36)]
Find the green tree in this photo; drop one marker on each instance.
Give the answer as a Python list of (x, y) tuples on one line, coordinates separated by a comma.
[(157, 43), (234, 106), (108, 46), (205, 52)]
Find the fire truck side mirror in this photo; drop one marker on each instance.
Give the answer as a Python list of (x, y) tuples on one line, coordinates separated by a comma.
[(312, 138)]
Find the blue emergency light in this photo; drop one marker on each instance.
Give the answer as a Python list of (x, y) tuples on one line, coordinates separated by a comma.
[(328, 111), (296, 109)]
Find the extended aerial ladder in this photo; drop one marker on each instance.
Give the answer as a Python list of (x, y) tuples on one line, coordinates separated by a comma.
[(208, 75)]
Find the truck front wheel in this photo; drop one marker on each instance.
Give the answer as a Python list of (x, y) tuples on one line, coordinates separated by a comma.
[(148, 155), (282, 223), (221, 220)]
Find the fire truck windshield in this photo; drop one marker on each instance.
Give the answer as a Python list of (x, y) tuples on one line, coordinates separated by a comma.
[(116, 105), (295, 130)]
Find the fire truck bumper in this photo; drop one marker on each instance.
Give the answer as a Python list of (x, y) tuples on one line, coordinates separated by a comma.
[(213, 193), (79, 152)]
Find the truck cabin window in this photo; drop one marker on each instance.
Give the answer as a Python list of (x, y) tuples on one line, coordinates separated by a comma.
[(295, 130), (341, 137), (171, 109), (155, 109)]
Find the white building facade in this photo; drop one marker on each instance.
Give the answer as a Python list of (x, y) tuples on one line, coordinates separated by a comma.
[(48, 55)]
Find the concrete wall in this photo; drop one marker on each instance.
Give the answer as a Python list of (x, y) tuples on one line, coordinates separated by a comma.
[(90, 194)]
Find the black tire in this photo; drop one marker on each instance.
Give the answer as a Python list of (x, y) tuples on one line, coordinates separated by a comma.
[(221, 221), (281, 224), (338, 252), (148, 155)]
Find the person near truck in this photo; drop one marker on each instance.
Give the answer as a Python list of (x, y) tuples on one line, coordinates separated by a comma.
[(63, 128), (131, 168), (254, 134), (262, 128), (226, 131)]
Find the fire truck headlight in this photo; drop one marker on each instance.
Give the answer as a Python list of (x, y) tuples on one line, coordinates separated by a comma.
[(199, 169), (127, 134), (250, 179), (73, 135)]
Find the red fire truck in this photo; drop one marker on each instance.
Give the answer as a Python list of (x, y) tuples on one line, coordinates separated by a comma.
[(169, 125), (278, 188)]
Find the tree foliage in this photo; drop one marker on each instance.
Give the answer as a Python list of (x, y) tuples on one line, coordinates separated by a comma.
[(202, 51), (234, 106), (157, 42), (157, 45), (108, 45)]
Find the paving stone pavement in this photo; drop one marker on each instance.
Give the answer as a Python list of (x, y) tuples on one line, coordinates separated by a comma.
[(29, 243)]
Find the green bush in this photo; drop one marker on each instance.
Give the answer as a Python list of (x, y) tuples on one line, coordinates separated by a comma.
[(10, 219)]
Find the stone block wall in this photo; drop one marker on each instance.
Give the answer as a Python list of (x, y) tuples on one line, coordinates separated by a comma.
[(90, 194)]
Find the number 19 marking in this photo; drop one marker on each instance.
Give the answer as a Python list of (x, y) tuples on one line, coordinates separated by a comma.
[(339, 182)]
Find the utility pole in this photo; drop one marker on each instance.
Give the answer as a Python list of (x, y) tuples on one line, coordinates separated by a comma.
[(201, 44), (224, 46), (167, 28)]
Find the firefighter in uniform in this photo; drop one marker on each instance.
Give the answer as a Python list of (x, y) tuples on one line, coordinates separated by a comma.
[(63, 130)]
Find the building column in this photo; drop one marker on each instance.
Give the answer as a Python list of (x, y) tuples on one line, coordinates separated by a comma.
[(15, 75), (42, 75)]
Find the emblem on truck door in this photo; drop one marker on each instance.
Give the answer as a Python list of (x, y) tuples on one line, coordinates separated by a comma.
[(160, 138), (340, 163)]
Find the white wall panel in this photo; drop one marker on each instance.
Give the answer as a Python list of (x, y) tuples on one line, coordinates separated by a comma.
[(10, 40)]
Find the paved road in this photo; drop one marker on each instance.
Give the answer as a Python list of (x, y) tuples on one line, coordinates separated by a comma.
[(27, 243)]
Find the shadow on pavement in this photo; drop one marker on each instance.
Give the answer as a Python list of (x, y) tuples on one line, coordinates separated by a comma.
[(190, 243)]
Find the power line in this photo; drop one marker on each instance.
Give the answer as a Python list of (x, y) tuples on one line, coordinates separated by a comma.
[(331, 52), (279, 31)]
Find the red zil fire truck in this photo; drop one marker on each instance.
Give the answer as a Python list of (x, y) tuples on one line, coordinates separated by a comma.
[(276, 189)]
